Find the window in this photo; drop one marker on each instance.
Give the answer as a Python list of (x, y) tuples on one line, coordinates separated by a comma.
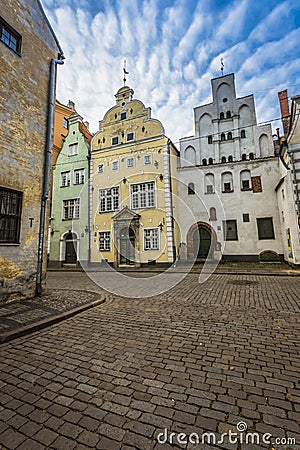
[(230, 230), (229, 136), (78, 176), (223, 159), (10, 37), (191, 189), (212, 214), (222, 136), (10, 215), (71, 209), (73, 149), (115, 140), (227, 182), (251, 155), (230, 158), (147, 159), (142, 195), (100, 168), (109, 199), (66, 123), (222, 116), (115, 165), (104, 241), (130, 136), (209, 183), (204, 162), (244, 157), (123, 115), (130, 162), (209, 140), (228, 114), (245, 177), (210, 161), (65, 179), (151, 239), (265, 228), (243, 134), (246, 218)]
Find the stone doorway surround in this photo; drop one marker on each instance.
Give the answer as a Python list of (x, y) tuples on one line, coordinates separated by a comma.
[(126, 219), (190, 239)]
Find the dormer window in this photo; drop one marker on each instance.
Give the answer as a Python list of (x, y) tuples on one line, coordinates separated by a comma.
[(123, 116)]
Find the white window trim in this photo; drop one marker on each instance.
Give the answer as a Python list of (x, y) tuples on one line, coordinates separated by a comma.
[(68, 179), (105, 189), (67, 200), (155, 195), (74, 177), (158, 240), (114, 162), (130, 140), (147, 156), (115, 137), (133, 165), (73, 145), (110, 237)]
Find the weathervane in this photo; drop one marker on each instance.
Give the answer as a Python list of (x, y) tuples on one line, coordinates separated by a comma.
[(222, 66), (125, 72)]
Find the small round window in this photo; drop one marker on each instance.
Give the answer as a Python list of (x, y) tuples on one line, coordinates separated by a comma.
[(123, 103), (224, 100)]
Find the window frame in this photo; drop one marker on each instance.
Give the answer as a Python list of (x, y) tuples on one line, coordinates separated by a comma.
[(81, 177), (12, 33), (150, 160), (115, 140), (226, 223), (115, 165), (65, 179), (259, 220), (138, 200), (106, 241), (151, 239), (102, 171), (130, 158), (11, 203), (71, 148), (129, 134), (75, 208), (111, 196)]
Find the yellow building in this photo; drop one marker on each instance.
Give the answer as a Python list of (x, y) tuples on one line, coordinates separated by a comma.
[(134, 187)]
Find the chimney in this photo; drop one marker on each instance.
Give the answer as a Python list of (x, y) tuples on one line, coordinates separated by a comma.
[(87, 124), (71, 105), (285, 111)]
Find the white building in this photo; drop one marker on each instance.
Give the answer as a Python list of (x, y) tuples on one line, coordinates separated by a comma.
[(227, 179)]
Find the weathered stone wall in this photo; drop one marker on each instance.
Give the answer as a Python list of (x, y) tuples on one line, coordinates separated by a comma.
[(24, 81)]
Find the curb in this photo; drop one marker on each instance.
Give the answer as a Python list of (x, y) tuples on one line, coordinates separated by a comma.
[(41, 324)]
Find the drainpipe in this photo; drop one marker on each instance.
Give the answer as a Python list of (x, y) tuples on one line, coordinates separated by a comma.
[(47, 166)]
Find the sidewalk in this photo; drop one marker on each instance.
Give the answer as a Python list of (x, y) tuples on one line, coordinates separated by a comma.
[(21, 317)]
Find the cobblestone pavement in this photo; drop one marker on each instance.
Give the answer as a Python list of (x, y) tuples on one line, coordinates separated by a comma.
[(196, 359)]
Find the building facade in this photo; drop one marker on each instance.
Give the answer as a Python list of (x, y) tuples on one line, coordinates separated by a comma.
[(69, 227), (288, 188), (134, 185), (27, 48), (227, 177)]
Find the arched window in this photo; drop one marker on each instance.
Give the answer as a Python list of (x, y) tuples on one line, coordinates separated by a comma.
[(212, 214), (227, 182), (222, 136), (191, 189), (229, 136), (223, 159), (204, 162), (244, 157), (210, 161), (209, 139), (243, 134), (251, 155), (222, 115), (245, 179), (209, 183), (230, 158), (228, 114), (190, 156)]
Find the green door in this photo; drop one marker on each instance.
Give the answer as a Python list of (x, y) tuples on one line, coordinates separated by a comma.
[(202, 242), (127, 245)]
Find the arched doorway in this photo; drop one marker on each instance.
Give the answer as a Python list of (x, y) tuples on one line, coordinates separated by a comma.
[(201, 241), (70, 248), (127, 246)]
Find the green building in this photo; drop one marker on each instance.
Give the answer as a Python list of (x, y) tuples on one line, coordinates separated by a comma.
[(69, 230)]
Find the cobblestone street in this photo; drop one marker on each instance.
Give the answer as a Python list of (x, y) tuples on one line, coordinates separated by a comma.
[(200, 358)]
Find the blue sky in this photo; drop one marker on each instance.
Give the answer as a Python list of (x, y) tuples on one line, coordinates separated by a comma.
[(172, 50)]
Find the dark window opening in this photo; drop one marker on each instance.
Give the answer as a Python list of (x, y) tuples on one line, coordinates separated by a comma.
[(229, 135), (10, 37), (222, 116), (123, 116), (210, 161), (223, 137), (245, 184), (204, 162), (209, 139), (244, 157), (191, 189), (243, 134), (228, 115), (230, 230), (265, 228), (223, 159), (246, 218), (230, 158), (10, 215), (251, 155)]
